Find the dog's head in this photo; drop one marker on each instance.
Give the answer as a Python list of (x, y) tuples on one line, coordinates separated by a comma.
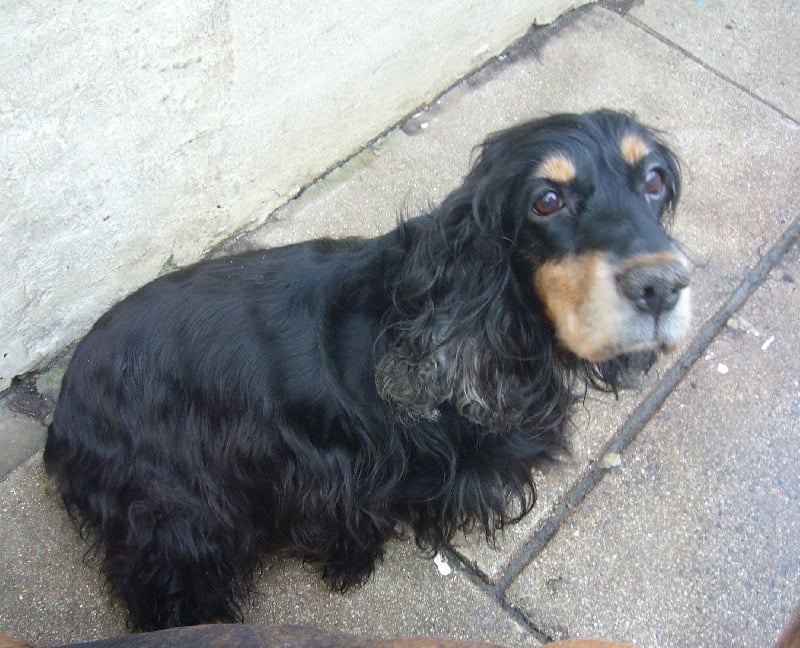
[(584, 199), (557, 231)]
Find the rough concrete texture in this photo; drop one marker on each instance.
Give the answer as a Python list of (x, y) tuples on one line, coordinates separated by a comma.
[(746, 37), (135, 136), (49, 595), (410, 594), (673, 525), (20, 437)]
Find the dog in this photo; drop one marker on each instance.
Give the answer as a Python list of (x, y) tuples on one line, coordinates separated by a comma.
[(321, 398)]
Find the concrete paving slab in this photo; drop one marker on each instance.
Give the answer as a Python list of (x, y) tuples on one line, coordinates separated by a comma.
[(597, 59), (49, 594), (693, 540), (754, 43), (20, 437), (594, 424), (407, 596)]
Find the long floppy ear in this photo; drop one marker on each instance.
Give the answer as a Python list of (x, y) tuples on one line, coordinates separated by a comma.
[(460, 331)]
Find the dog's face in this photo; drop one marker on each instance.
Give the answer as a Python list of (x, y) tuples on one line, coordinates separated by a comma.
[(588, 203)]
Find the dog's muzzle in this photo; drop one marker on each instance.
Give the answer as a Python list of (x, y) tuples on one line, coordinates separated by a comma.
[(602, 307)]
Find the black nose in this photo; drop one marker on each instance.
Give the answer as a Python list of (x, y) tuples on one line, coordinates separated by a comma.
[(654, 288)]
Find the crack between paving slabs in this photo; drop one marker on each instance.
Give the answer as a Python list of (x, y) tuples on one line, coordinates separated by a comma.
[(706, 66), (487, 588)]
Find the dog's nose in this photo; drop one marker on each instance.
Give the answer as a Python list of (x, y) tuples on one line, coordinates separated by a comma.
[(654, 288)]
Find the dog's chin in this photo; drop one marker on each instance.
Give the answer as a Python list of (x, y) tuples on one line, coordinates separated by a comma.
[(653, 345), (624, 362), (627, 346), (615, 351), (627, 371)]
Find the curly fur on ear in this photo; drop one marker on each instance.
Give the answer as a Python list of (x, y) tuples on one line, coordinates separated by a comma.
[(460, 329)]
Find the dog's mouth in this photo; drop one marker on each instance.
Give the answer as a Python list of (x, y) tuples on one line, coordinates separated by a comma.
[(602, 308)]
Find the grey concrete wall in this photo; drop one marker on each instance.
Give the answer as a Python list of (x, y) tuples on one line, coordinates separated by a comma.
[(134, 136)]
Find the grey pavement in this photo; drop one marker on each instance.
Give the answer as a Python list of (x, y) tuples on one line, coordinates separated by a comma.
[(677, 520)]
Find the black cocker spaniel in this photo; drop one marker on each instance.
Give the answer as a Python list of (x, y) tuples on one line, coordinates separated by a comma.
[(321, 398)]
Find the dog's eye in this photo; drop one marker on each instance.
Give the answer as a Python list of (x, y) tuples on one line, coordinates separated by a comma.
[(547, 204), (654, 182)]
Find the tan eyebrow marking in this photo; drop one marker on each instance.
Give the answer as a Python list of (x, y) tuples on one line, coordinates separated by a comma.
[(633, 149), (557, 168)]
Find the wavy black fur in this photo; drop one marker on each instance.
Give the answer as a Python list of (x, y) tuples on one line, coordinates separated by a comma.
[(318, 400)]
